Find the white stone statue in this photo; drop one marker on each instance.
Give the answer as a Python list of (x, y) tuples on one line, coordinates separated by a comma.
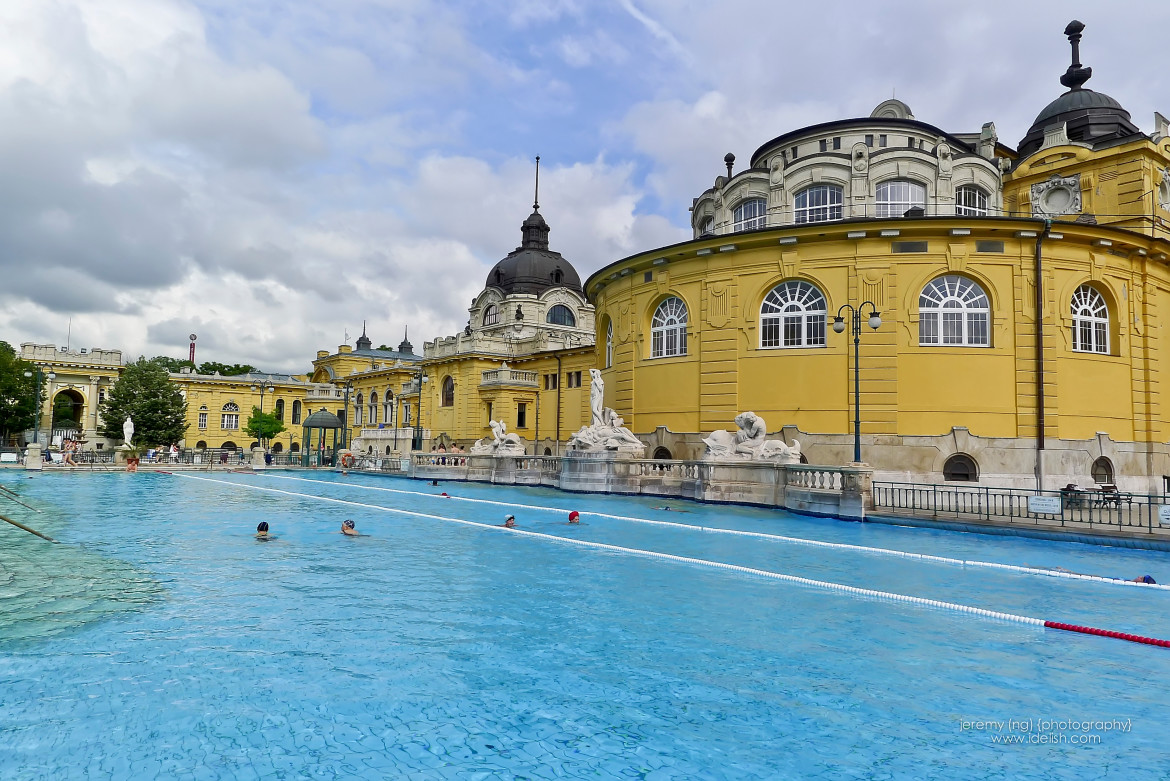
[(500, 443), (128, 430), (596, 397), (750, 443), (606, 433)]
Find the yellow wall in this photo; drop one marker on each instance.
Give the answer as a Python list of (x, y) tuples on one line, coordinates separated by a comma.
[(214, 393)]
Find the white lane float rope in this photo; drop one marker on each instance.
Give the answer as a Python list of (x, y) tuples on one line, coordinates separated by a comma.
[(818, 584), (763, 535)]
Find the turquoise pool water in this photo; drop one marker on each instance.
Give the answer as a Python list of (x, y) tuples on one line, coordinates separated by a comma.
[(161, 639)]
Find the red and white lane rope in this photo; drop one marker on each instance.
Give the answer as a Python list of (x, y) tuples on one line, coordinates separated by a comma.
[(818, 584), (1049, 573)]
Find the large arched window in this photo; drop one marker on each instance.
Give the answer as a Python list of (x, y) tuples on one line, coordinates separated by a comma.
[(296, 412), (970, 201), (668, 329), (793, 315), (749, 214), (1090, 321), (357, 410), (373, 408), (561, 315), (819, 203), (609, 344), (961, 468), (280, 409), (388, 406), (896, 197), (230, 419), (491, 315), (448, 392), (954, 310)]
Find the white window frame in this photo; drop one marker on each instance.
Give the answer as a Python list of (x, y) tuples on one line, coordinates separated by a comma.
[(750, 214), (668, 329), (707, 226), (230, 418), (828, 204), (372, 406), (1090, 316), (203, 417), (793, 315), (971, 201), (357, 410), (954, 311), (609, 344), (895, 197), (491, 315), (388, 406)]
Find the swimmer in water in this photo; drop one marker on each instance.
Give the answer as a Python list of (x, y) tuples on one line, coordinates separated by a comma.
[(348, 528), (262, 530), (574, 517), (670, 509), (510, 522), (444, 494)]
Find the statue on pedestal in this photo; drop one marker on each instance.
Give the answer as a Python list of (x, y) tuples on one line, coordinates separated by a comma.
[(128, 430), (750, 443), (605, 432), (500, 443)]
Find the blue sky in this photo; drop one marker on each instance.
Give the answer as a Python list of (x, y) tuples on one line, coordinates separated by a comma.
[(269, 175)]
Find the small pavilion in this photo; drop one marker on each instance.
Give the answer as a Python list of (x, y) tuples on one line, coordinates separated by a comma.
[(317, 450)]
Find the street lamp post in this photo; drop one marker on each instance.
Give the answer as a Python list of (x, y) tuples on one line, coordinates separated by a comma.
[(345, 404), (40, 378), (263, 386), (420, 378), (875, 322)]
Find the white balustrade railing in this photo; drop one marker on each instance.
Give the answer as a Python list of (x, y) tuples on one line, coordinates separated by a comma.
[(508, 377)]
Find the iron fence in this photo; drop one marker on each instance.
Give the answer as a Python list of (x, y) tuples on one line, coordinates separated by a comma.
[(1076, 509)]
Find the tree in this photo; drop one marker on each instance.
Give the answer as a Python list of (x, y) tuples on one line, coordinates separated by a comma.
[(211, 367), (263, 425), (18, 394), (145, 394), (63, 416), (172, 364)]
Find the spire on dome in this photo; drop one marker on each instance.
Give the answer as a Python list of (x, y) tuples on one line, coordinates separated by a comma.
[(1075, 76), (534, 231), (405, 347), (363, 342)]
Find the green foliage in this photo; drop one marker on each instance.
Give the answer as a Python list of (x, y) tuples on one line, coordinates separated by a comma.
[(146, 395), (211, 367), (263, 425), (63, 416), (172, 364), (18, 394)]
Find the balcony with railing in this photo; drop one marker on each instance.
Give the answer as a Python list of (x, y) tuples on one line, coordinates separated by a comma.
[(507, 376), (324, 393)]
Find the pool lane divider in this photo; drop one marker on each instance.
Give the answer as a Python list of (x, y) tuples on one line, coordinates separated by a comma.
[(780, 576), (763, 535)]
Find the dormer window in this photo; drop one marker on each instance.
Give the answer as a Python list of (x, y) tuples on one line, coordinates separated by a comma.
[(561, 315), (491, 315), (557, 276)]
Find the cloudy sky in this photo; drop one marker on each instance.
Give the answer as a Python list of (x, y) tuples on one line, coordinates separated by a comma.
[(270, 174)]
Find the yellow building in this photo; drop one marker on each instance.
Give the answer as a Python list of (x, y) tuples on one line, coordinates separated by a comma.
[(944, 233)]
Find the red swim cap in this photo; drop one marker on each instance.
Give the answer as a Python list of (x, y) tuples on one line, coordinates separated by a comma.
[(444, 494), (574, 515)]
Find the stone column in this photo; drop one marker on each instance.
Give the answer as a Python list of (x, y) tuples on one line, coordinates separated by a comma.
[(257, 458), (33, 458), (856, 491)]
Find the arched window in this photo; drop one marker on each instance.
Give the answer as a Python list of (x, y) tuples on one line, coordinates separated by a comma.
[(793, 315), (201, 445), (448, 392), (609, 343), (970, 201), (1103, 471), (230, 419), (749, 214), (388, 406), (896, 197), (558, 276), (1090, 333), (357, 410), (561, 315), (819, 203), (295, 447), (491, 315), (296, 412), (662, 454), (373, 408), (280, 409), (707, 226), (229, 445), (277, 447), (668, 329), (953, 310), (961, 468)]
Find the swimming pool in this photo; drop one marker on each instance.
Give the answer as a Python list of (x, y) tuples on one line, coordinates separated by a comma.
[(161, 639)]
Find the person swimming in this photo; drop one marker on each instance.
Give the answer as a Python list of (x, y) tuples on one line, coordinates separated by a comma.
[(574, 517), (670, 509), (510, 522), (347, 527), (262, 529)]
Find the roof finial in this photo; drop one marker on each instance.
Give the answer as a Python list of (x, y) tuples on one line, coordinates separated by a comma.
[(363, 327), (1075, 76), (536, 196)]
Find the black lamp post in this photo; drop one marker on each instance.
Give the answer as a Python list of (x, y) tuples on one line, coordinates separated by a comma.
[(875, 322), (263, 386), (40, 378), (345, 405), (420, 379)]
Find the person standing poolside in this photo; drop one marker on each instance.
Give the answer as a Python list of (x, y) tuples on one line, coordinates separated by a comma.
[(347, 527)]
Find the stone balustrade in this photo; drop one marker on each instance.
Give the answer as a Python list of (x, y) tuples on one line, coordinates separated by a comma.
[(508, 377)]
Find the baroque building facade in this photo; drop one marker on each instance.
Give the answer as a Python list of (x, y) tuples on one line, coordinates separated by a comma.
[(1020, 294)]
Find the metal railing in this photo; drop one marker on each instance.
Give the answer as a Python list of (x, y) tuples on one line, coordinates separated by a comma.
[(1079, 509)]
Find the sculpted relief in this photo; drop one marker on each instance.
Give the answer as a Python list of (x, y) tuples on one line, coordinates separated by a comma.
[(750, 443)]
